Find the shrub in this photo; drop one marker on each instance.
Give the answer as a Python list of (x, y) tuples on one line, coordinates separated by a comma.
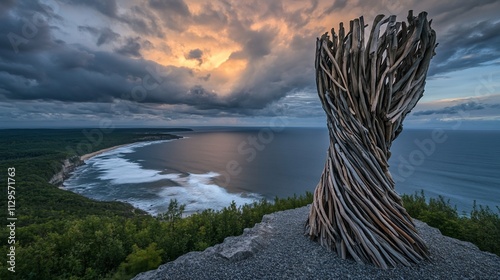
[(139, 260), (481, 227)]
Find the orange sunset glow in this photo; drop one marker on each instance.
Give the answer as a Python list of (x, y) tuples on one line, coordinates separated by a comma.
[(218, 62)]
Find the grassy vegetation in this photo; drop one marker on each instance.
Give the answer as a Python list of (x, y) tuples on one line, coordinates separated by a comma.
[(481, 226)]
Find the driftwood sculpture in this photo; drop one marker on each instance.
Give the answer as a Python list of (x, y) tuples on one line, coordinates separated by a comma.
[(366, 91)]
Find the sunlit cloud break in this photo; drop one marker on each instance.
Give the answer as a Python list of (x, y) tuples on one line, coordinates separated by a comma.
[(172, 62)]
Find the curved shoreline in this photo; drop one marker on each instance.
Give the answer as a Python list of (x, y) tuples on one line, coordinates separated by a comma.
[(96, 153), (70, 164)]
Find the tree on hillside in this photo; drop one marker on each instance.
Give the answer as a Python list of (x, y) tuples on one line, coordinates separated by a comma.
[(366, 90)]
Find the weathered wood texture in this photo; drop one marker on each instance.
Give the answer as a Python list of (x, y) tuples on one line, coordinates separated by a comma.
[(366, 90)]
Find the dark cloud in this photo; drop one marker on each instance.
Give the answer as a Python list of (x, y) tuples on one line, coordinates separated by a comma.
[(451, 10), (6, 5), (278, 69), (257, 44), (131, 47), (467, 45), (92, 30), (273, 9), (174, 14), (298, 19), (48, 69), (144, 21), (72, 73), (467, 31), (175, 6), (196, 54), (452, 110), (25, 29), (269, 81), (104, 35), (108, 7), (205, 78), (138, 18), (202, 98), (69, 58), (19, 69), (209, 16), (337, 5)]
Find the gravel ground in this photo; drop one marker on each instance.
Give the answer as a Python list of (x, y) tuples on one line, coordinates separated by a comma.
[(277, 249)]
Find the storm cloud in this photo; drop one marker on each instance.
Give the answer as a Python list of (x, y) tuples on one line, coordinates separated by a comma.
[(196, 54), (108, 8), (467, 45), (452, 110), (104, 35), (216, 59)]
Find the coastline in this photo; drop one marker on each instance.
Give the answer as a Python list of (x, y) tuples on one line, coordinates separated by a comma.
[(70, 164), (96, 153), (144, 139)]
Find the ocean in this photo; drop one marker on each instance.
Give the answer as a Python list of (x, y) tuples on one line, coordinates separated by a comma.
[(211, 167)]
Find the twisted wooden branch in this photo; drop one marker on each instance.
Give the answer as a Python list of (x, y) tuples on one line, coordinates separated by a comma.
[(366, 90)]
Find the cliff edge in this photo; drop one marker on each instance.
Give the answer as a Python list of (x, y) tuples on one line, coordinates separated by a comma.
[(68, 165)]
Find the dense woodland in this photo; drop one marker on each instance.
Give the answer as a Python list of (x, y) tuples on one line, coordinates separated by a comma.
[(62, 235)]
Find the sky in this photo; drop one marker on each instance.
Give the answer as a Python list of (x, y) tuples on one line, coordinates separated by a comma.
[(164, 63)]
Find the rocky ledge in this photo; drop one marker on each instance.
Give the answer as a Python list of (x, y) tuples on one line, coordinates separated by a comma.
[(277, 249)]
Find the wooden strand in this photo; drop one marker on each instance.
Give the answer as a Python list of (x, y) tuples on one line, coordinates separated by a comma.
[(367, 89)]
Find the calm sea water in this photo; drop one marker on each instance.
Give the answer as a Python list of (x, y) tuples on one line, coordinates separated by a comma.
[(212, 167)]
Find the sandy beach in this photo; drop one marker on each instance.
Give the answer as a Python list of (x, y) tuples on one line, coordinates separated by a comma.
[(69, 165), (93, 154), (137, 140)]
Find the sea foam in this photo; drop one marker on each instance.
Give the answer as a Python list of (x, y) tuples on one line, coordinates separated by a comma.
[(198, 192), (111, 176)]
